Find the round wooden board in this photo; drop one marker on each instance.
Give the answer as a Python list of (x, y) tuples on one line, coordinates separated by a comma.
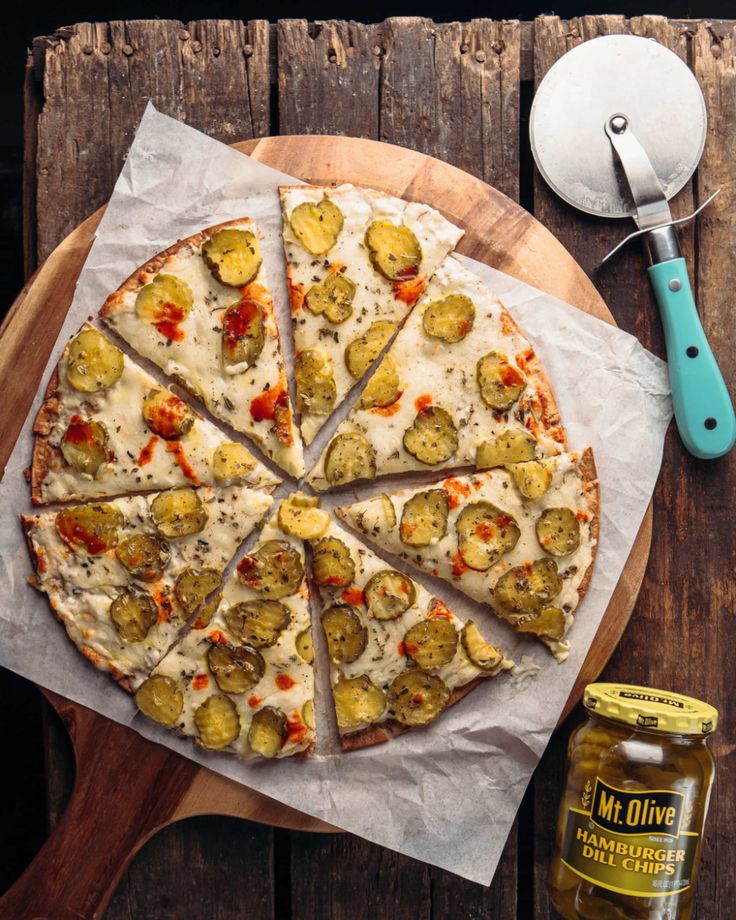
[(498, 232)]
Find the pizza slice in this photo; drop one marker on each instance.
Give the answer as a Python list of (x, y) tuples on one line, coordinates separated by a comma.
[(202, 311), (124, 576), (521, 539), (107, 427), (242, 679), (357, 261), (460, 385), (399, 656)]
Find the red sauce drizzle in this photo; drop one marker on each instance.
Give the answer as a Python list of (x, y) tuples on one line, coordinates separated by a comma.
[(458, 566), (273, 405), (423, 402), (440, 609), (408, 288), (510, 376), (168, 317), (401, 647), (296, 729), (175, 448), (146, 455), (80, 431), (284, 682), (218, 637), (254, 701), (168, 415), (391, 408), (354, 595), (237, 322), (76, 535), (200, 682), (456, 491)]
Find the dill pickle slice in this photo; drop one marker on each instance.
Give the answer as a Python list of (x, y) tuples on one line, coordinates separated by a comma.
[(243, 336), (92, 528), (144, 555), (363, 351), (268, 731), (308, 714), (500, 383), (432, 438), (358, 701), (84, 445), (93, 362), (558, 531), (217, 723), (384, 387), (300, 516), (484, 534), (133, 613), (236, 669), (449, 319), (508, 446), (233, 256), (332, 564), (482, 654), (160, 699), (431, 643), (415, 697), (346, 634), (549, 622), (165, 301), (349, 457), (525, 589), (178, 513), (232, 463), (167, 415), (317, 226), (393, 249), (389, 593), (424, 518), (193, 586), (304, 647), (258, 623), (532, 478), (207, 611), (274, 570), (332, 298), (315, 383)]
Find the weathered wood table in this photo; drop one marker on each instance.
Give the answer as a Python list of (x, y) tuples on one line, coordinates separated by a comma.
[(461, 92)]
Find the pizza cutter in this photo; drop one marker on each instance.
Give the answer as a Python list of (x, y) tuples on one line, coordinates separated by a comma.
[(617, 128)]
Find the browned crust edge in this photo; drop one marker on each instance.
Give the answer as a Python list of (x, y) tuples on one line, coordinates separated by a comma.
[(589, 475), (44, 454)]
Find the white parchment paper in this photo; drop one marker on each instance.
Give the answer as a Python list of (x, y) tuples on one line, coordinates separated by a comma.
[(446, 794)]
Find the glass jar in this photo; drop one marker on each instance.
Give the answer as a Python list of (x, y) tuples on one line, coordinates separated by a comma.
[(631, 817)]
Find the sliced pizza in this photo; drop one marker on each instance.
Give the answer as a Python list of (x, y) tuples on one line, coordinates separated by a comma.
[(124, 576), (521, 539), (202, 311), (460, 385), (242, 679), (399, 656), (357, 261), (107, 427)]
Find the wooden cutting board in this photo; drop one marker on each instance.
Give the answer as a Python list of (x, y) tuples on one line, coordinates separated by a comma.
[(127, 788)]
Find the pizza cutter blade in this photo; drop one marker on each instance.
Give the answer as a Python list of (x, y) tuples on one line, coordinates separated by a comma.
[(617, 128)]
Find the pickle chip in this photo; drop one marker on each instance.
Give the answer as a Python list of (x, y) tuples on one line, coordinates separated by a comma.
[(432, 437), (508, 446), (243, 336), (558, 531), (500, 383), (308, 714), (160, 699), (167, 415), (258, 623), (317, 226), (415, 697), (481, 653), (84, 445), (193, 586), (484, 534), (268, 731), (532, 478), (164, 302), (274, 570), (207, 611), (300, 516), (232, 463), (144, 555), (384, 387), (304, 647), (346, 634), (363, 351), (236, 669), (349, 457), (315, 383), (358, 701), (549, 623), (389, 593), (332, 298), (424, 518), (233, 256), (431, 643), (217, 723), (526, 589), (178, 513), (92, 528), (93, 362), (449, 319), (394, 251), (133, 613), (332, 564)]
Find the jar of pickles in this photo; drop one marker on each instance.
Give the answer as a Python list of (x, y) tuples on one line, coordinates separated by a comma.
[(632, 813)]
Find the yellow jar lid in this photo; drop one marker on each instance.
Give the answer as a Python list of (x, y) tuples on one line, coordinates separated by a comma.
[(654, 710)]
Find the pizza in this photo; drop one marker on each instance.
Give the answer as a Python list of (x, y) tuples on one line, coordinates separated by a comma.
[(107, 427), (520, 538), (357, 261), (459, 384), (203, 312), (124, 576), (242, 679)]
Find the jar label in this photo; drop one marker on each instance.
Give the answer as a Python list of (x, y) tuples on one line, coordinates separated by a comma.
[(630, 842)]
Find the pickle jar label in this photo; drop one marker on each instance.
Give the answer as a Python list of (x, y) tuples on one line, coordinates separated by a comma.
[(630, 842)]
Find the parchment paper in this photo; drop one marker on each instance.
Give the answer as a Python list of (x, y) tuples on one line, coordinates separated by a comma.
[(446, 794)]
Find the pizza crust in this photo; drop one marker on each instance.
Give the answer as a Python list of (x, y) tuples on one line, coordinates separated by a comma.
[(45, 456)]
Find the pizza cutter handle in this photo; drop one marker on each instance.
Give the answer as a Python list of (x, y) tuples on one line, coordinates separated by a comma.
[(703, 408)]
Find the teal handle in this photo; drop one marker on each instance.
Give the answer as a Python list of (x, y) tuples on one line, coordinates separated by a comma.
[(703, 408)]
